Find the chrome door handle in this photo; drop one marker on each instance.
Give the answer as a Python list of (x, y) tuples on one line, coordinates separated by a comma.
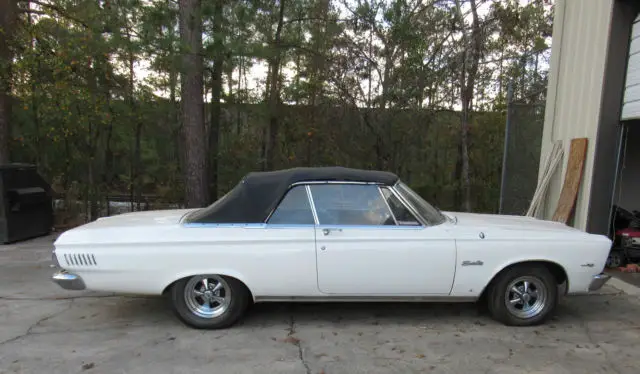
[(327, 231)]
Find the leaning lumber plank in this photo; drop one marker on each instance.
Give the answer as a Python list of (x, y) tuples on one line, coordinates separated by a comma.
[(572, 179)]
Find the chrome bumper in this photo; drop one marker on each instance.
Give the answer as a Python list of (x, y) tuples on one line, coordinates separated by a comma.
[(598, 281), (68, 281)]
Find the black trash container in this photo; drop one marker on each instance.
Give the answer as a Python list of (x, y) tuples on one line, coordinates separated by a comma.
[(26, 206)]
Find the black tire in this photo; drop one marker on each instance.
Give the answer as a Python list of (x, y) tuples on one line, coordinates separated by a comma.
[(616, 259), (497, 295), (237, 305)]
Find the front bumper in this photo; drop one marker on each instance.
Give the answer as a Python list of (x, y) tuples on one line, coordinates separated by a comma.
[(68, 281), (598, 281)]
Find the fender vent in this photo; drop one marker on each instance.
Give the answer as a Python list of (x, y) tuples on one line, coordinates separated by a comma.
[(80, 259)]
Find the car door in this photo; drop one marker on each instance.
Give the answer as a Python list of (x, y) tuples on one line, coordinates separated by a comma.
[(362, 248), (287, 266)]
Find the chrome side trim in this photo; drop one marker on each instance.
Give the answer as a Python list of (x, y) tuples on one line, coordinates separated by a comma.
[(229, 225), (311, 204), (68, 281), (598, 281), (248, 225), (297, 226), (358, 299), (376, 227), (331, 182)]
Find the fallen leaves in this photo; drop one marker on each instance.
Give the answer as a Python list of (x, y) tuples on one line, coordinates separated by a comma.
[(291, 339), (88, 366)]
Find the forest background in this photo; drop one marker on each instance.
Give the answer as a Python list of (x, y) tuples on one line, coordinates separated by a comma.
[(160, 103)]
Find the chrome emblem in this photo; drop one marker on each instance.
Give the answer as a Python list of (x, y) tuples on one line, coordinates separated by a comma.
[(472, 263)]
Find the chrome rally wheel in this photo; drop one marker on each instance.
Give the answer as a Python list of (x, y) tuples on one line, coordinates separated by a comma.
[(523, 295), (207, 296), (209, 301)]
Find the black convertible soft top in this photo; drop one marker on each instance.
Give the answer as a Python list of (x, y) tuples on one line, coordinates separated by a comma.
[(258, 193)]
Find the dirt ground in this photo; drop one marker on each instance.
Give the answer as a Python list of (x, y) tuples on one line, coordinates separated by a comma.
[(44, 329)]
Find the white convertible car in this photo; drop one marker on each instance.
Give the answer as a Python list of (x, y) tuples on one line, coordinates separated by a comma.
[(330, 234)]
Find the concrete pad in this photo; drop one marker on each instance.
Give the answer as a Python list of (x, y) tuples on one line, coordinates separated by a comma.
[(44, 329), (623, 286)]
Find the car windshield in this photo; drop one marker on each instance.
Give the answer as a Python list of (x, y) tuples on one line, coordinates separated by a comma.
[(426, 210)]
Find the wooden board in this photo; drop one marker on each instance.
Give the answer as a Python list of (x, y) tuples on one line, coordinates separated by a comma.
[(572, 179)]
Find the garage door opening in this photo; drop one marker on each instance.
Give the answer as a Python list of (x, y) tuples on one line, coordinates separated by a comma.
[(625, 222)]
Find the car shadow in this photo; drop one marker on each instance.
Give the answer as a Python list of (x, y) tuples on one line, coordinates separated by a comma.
[(381, 313), (140, 311), (134, 311)]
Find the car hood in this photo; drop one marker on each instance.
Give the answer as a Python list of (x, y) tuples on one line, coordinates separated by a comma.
[(507, 222)]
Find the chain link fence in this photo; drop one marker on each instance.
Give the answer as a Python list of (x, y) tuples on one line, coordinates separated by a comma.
[(521, 159)]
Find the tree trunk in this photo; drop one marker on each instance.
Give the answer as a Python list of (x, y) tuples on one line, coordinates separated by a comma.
[(136, 165), (174, 120), (216, 93), (108, 167), (7, 26), (274, 94), (35, 73), (468, 73), (192, 111), (318, 61), (133, 170)]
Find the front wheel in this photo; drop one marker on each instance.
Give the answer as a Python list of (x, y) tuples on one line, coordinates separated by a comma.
[(523, 296), (209, 301)]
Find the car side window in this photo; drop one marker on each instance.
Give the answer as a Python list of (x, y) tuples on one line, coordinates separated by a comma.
[(350, 204), (294, 209), (404, 217)]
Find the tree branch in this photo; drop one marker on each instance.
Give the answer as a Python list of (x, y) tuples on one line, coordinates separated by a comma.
[(57, 9), (303, 19)]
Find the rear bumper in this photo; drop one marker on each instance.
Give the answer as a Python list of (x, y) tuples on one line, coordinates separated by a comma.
[(68, 281), (598, 281)]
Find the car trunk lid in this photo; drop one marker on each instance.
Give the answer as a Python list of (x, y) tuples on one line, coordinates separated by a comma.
[(144, 218)]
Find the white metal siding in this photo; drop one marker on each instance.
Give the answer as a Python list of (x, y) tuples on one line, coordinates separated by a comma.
[(631, 106), (578, 55)]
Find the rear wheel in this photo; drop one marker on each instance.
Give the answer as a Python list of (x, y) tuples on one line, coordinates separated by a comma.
[(209, 301), (523, 295)]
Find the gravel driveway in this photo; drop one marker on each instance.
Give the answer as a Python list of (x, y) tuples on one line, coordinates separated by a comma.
[(44, 329)]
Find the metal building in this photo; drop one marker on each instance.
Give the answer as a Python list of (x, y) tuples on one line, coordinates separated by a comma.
[(592, 93)]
